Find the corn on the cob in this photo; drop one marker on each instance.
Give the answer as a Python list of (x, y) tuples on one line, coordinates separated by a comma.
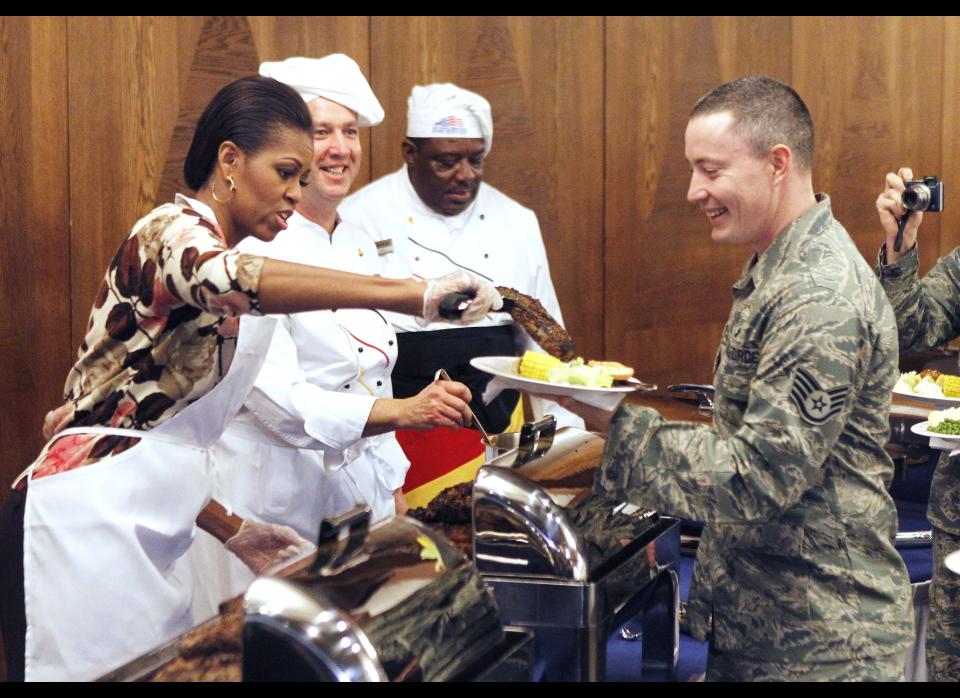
[(536, 365), (951, 386)]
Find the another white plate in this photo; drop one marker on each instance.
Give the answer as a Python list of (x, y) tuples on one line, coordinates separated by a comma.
[(943, 442), (952, 561), (505, 370), (935, 401)]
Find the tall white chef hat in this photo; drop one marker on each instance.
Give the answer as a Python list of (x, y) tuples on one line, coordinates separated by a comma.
[(443, 110), (335, 77)]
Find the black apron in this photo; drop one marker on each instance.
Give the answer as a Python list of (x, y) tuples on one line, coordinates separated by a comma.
[(421, 354)]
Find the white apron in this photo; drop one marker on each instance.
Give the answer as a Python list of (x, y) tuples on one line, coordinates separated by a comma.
[(100, 541), (315, 390), (261, 477)]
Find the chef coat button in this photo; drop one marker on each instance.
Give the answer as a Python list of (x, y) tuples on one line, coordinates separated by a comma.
[(410, 219), (360, 349), (333, 310), (486, 256), (346, 387), (379, 383), (390, 342), (481, 216), (359, 252), (416, 259)]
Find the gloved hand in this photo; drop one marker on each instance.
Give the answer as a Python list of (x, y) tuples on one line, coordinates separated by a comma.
[(262, 545), (485, 296)]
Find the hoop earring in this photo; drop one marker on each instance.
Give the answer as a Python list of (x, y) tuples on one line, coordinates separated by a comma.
[(213, 191)]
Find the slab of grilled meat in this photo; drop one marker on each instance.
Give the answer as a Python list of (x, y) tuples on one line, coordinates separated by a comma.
[(538, 323), (452, 505), (450, 513)]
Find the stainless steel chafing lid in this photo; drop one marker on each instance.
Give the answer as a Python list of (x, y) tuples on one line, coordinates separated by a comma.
[(370, 606), (534, 512), (561, 462), (366, 572), (521, 530), (328, 637)]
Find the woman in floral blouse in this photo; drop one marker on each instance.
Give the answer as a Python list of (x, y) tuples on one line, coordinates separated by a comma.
[(150, 391)]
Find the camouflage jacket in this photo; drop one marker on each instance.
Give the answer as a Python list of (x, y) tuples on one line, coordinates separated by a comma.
[(797, 554), (928, 315)]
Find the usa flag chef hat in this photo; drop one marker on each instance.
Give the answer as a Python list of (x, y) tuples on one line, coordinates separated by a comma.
[(443, 110), (336, 77)]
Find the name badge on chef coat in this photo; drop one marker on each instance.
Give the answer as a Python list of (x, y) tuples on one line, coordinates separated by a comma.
[(384, 247)]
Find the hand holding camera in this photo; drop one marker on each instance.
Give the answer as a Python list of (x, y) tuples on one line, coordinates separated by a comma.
[(901, 207)]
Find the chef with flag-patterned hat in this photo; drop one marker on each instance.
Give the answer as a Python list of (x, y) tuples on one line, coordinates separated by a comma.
[(436, 214)]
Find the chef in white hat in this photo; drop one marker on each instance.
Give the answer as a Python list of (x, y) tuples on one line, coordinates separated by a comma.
[(315, 437), (434, 215)]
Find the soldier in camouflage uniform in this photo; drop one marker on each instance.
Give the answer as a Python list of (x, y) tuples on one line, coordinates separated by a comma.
[(928, 315), (796, 576)]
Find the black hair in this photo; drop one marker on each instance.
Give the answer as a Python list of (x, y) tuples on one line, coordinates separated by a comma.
[(247, 112), (765, 112)]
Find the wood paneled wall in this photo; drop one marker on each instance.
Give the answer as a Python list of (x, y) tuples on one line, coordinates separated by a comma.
[(589, 120), (35, 261), (667, 283), (879, 98)]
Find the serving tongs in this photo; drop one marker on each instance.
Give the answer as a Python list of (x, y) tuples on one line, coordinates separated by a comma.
[(452, 305), (442, 374)]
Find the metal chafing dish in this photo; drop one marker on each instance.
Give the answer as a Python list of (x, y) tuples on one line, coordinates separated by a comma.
[(568, 564), (394, 602), (389, 602)]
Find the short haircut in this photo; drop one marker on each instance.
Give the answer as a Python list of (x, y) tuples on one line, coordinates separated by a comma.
[(765, 112), (248, 112)]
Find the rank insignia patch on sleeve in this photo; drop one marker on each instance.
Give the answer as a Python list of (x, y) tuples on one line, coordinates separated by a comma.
[(816, 405)]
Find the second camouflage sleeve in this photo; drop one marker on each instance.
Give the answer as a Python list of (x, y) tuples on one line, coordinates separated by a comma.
[(927, 310)]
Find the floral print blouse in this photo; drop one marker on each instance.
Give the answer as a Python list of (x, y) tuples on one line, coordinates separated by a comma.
[(161, 333)]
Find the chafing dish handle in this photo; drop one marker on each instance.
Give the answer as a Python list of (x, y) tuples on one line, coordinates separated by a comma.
[(536, 438), (704, 393), (913, 539), (341, 536)]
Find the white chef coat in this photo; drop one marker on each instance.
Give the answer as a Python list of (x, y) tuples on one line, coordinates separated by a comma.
[(324, 371), (495, 237), (295, 453), (322, 374)]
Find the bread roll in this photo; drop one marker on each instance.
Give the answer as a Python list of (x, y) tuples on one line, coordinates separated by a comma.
[(617, 370)]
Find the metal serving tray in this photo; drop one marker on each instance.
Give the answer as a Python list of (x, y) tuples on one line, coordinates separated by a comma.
[(568, 564)]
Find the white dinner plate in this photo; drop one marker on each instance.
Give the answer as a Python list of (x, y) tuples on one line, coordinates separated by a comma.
[(504, 368), (943, 442), (934, 401)]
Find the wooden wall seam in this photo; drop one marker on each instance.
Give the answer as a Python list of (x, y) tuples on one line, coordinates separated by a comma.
[(603, 195), (73, 321)]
